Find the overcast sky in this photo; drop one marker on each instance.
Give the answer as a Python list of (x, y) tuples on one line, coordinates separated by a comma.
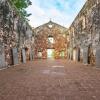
[(62, 12)]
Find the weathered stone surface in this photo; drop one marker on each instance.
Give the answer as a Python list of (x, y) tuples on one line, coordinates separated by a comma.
[(98, 56), (15, 56), (85, 55), (85, 30), (15, 32), (2, 57), (42, 42), (23, 56), (31, 55)]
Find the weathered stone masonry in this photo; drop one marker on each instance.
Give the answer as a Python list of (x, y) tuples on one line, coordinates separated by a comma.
[(57, 45), (85, 34), (16, 36)]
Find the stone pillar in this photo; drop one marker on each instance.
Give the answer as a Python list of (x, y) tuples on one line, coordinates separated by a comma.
[(2, 57), (98, 56), (23, 56), (31, 55), (68, 55), (71, 54), (15, 56), (85, 55)]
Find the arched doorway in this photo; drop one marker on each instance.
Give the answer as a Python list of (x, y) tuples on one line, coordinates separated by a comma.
[(78, 54), (91, 56)]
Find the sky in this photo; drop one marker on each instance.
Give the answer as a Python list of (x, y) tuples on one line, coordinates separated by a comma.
[(62, 12)]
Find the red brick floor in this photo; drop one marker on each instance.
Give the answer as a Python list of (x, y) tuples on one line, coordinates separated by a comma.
[(50, 80)]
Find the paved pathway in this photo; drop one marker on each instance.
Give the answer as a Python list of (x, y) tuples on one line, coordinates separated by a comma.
[(50, 80)]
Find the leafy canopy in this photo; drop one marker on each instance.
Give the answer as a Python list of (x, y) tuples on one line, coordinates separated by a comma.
[(21, 5)]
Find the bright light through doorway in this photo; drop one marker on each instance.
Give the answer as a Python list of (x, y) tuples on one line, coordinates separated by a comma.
[(50, 53)]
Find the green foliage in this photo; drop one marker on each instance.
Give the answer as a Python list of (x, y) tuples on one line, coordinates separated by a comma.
[(21, 5)]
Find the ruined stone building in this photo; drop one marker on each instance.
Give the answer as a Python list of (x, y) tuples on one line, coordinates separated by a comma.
[(84, 34), (20, 43), (50, 41), (16, 36)]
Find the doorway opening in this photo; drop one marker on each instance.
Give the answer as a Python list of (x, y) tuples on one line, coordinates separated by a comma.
[(74, 54), (50, 40), (50, 53)]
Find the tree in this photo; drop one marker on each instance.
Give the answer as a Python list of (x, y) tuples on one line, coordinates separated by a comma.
[(21, 5)]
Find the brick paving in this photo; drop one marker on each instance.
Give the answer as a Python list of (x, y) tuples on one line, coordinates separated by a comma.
[(50, 80)]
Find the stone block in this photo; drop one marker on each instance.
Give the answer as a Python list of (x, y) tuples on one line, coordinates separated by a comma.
[(23, 56), (85, 55), (98, 56), (2, 57), (31, 55), (15, 56)]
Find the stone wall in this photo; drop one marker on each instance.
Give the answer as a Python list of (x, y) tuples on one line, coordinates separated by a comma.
[(15, 33), (42, 43), (85, 31)]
